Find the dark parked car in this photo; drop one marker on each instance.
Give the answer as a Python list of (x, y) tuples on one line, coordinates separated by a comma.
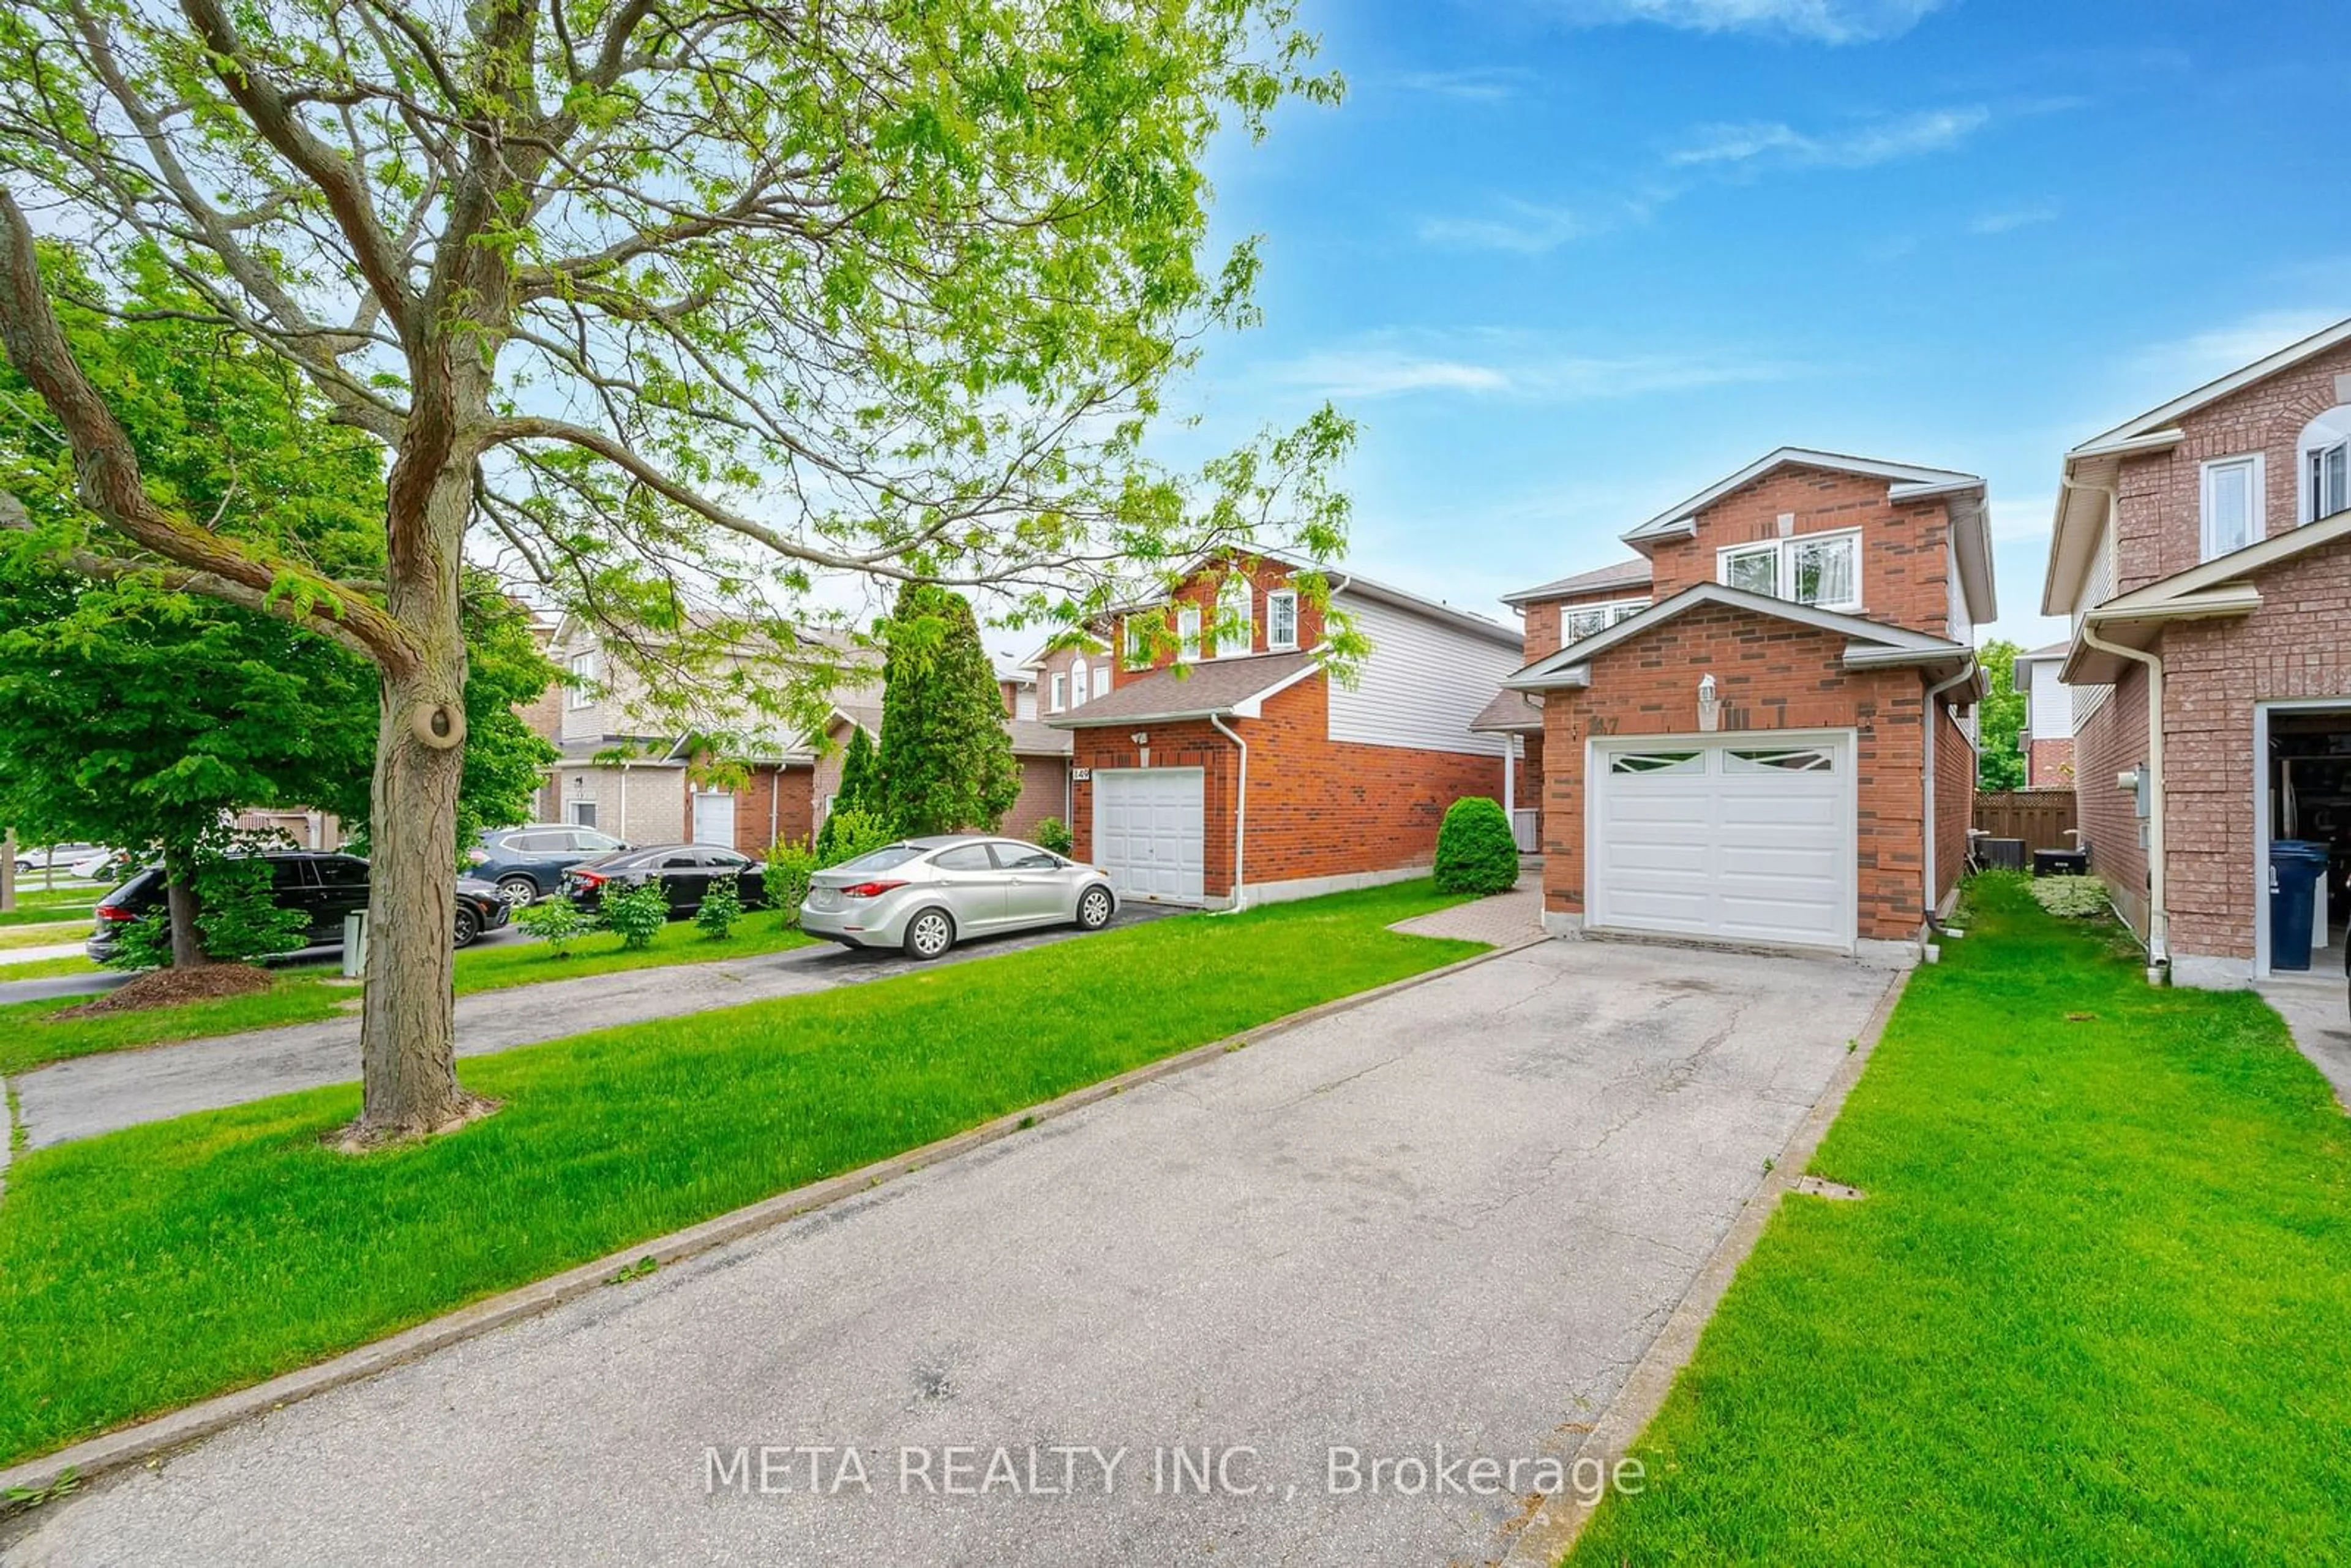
[(528, 862), (324, 887), (684, 870)]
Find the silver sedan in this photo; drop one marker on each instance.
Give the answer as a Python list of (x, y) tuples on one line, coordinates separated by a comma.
[(925, 894)]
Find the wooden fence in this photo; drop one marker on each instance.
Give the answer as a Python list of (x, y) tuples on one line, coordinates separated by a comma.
[(2042, 817)]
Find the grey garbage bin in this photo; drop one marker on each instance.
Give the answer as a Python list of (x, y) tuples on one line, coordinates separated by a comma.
[(2295, 866)]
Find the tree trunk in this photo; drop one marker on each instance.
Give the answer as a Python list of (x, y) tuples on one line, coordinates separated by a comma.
[(180, 906), (407, 1032)]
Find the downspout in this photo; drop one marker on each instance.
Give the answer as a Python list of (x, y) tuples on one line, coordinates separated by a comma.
[(624, 802), (1932, 904), (2158, 919), (1241, 811), (775, 795)]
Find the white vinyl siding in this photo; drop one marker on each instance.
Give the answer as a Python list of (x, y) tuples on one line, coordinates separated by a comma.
[(2049, 703), (1421, 684)]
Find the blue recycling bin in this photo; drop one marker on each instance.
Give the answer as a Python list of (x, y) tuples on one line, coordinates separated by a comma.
[(2295, 867)]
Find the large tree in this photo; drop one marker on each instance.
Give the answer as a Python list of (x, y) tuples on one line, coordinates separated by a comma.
[(677, 305), (945, 761), (131, 714), (1999, 719)]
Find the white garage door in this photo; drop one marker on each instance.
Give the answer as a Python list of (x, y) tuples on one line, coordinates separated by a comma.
[(1748, 838), (1148, 832), (714, 819)]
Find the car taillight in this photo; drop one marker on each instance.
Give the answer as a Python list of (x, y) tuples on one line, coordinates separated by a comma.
[(870, 889), (588, 878), (116, 912), (478, 857)]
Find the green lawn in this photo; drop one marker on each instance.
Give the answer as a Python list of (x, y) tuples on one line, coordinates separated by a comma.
[(41, 908), (2096, 1308), (47, 968), (158, 1265), (309, 994), (45, 932)]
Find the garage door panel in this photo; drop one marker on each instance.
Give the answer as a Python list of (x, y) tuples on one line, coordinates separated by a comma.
[(1153, 840), (1725, 845)]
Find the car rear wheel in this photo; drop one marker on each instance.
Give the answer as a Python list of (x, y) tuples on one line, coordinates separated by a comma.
[(929, 934), (469, 925), (517, 890), (1094, 907)]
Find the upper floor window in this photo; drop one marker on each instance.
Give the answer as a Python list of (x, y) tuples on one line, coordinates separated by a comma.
[(2231, 504), (1138, 645), (2325, 459), (1188, 633), (1282, 620), (1101, 679), (1078, 682), (1820, 569), (1235, 617), (584, 680), (1582, 621), (1061, 691)]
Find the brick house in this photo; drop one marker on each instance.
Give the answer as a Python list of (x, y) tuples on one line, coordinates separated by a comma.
[(1043, 755), (1232, 769), (1762, 733), (2202, 552), (2046, 737)]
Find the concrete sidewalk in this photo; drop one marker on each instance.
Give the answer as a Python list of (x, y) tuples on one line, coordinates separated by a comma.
[(89, 1095), (9, 956), (2314, 1008), (1438, 1227)]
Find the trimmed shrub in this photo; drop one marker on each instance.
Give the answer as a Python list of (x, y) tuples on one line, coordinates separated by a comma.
[(638, 914), (1475, 851), (721, 908), (2075, 898), (789, 866), (558, 922), (1054, 834)]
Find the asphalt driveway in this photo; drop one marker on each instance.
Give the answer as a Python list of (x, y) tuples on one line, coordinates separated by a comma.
[(1456, 1216)]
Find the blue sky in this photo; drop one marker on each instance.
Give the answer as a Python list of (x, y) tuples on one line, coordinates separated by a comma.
[(1569, 261)]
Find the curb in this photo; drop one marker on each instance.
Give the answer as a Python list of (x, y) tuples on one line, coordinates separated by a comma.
[(1550, 1532), (162, 1435)]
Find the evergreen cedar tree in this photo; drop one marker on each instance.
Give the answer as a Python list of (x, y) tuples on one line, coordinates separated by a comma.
[(1475, 851), (945, 761), (860, 792), (133, 715)]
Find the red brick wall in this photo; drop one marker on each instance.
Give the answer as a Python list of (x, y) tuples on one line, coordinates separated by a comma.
[(2113, 741), (1770, 674), (1316, 806), (2049, 765), (2159, 527), (1905, 551), (2214, 671), (788, 792), (1955, 801), (1042, 783)]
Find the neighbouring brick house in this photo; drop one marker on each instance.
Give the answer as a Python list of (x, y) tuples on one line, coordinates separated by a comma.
[(1043, 756), (1755, 734), (2046, 738), (1232, 769), (2203, 553)]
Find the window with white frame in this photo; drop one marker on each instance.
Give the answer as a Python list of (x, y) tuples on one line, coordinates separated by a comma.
[(584, 680), (1581, 621), (579, 813), (1078, 682), (1061, 691), (1282, 620), (2231, 504), (1188, 633), (2323, 456), (1138, 644), (1236, 619), (1101, 679), (1820, 569)]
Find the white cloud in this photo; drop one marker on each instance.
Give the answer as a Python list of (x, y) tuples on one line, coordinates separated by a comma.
[(2024, 520), (1475, 84), (2190, 361), (1817, 21), (1499, 364), (1881, 140), (1528, 229), (2009, 219)]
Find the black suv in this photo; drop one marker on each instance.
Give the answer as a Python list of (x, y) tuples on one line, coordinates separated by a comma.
[(324, 887), (528, 862)]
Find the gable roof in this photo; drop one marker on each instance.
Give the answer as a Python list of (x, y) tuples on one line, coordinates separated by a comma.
[(1213, 687), (1634, 573), (1509, 713), (1870, 644), (2053, 653), (2091, 468), (2221, 587), (1904, 482)]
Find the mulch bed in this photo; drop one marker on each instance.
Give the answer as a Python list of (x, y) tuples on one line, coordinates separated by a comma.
[(174, 987)]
